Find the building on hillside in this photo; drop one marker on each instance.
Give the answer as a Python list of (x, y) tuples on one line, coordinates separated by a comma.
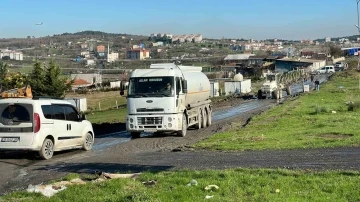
[(84, 46), (327, 39), (111, 57), (85, 54), (13, 55), (288, 64), (80, 83), (237, 59), (100, 49), (92, 79), (138, 54), (198, 38)]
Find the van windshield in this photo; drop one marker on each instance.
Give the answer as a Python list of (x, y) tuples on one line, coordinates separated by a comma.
[(14, 114), (151, 86)]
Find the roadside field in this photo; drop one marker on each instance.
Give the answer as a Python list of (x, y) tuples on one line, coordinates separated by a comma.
[(97, 101), (108, 116), (232, 185), (314, 120)]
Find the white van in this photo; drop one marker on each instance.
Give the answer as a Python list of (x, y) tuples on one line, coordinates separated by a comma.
[(45, 126), (326, 69)]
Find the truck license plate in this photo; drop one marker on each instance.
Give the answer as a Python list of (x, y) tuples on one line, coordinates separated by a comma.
[(10, 139), (149, 130)]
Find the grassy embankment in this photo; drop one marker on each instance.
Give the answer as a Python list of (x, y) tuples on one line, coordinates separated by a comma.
[(318, 119), (234, 185), (107, 112)]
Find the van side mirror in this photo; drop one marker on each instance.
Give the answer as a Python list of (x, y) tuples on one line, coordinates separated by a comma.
[(184, 84), (83, 117)]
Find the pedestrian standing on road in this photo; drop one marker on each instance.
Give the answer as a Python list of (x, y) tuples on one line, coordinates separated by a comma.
[(312, 78), (317, 85)]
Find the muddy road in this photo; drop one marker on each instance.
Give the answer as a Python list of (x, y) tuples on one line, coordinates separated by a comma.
[(117, 152)]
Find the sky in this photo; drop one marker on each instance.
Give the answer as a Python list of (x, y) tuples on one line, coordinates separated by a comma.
[(256, 19)]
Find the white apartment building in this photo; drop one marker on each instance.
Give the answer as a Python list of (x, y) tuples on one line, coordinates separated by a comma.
[(14, 55), (112, 57)]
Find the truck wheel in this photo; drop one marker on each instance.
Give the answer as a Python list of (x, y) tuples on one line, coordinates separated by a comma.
[(259, 94), (204, 118), (184, 126), (209, 118), (280, 94), (47, 149), (274, 94), (288, 91), (198, 124), (135, 135)]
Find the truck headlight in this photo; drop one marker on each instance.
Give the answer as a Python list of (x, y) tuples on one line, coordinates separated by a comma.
[(131, 120), (169, 119)]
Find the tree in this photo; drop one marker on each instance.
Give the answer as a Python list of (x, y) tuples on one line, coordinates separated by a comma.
[(55, 84), (336, 51), (3, 72), (37, 80)]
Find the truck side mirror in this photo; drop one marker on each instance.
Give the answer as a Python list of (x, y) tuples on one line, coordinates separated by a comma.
[(184, 84), (122, 88)]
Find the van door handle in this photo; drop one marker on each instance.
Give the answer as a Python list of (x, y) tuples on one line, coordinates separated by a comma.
[(67, 126)]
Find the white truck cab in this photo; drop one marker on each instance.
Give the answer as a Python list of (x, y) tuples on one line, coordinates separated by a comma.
[(43, 125), (167, 98)]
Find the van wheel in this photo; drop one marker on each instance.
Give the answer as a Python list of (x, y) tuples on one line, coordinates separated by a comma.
[(135, 135), (88, 143), (184, 126), (47, 149)]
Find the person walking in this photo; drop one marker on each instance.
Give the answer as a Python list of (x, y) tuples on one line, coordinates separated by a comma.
[(317, 85)]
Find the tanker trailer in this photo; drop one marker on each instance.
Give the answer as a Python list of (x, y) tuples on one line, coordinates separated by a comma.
[(167, 98)]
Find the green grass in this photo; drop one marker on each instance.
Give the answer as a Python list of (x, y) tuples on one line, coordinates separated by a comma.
[(108, 116), (306, 122), (234, 185), (107, 100)]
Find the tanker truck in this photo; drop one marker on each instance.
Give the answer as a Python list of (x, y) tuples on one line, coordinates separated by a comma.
[(167, 98)]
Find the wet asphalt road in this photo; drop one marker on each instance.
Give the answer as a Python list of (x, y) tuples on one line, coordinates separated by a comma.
[(118, 153)]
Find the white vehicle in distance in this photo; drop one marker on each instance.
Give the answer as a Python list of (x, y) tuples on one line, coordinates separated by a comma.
[(43, 125), (326, 69)]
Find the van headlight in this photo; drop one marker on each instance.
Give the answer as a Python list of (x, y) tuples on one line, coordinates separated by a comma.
[(131, 120), (169, 119)]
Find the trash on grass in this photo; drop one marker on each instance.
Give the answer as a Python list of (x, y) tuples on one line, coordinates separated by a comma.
[(51, 189), (208, 197), (192, 183), (211, 187), (46, 190), (150, 182)]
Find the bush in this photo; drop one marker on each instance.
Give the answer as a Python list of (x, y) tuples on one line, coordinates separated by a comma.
[(321, 109), (354, 106)]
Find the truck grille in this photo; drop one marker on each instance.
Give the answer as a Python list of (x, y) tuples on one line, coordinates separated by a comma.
[(149, 120), (149, 110)]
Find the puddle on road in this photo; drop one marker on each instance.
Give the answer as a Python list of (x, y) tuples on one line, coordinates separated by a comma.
[(117, 138), (236, 111)]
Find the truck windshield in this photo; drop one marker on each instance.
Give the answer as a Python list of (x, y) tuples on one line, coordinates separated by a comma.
[(151, 87), (270, 77)]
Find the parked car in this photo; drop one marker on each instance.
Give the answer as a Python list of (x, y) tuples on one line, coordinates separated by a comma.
[(43, 125), (340, 66), (326, 69)]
